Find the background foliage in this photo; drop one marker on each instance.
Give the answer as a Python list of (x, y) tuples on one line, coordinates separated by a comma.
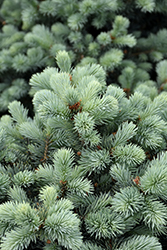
[(128, 38), (83, 137)]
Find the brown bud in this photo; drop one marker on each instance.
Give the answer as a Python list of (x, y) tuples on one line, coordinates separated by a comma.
[(126, 90), (137, 180), (70, 77), (112, 37)]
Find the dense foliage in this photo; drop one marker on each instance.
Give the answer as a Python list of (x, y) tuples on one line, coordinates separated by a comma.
[(84, 164)]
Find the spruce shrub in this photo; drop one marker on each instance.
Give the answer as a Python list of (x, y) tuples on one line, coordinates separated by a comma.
[(88, 171), (83, 138)]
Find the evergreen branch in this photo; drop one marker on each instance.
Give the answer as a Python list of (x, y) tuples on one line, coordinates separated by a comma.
[(154, 179), (18, 112), (4, 185), (116, 92), (80, 186), (41, 80), (76, 21), (3, 139), (45, 174), (61, 85), (32, 131), (97, 203), (7, 212), (120, 25), (128, 201), (65, 203), (154, 215), (48, 8), (111, 59), (91, 91), (130, 155), (103, 110), (147, 5), (48, 194), (91, 246), (63, 226), (90, 70), (126, 79), (125, 132), (141, 242), (17, 194), (63, 61), (104, 224), (121, 174), (51, 104), (42, 36), (18, 239), (24, 178), (94, 160), (63, 164)]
